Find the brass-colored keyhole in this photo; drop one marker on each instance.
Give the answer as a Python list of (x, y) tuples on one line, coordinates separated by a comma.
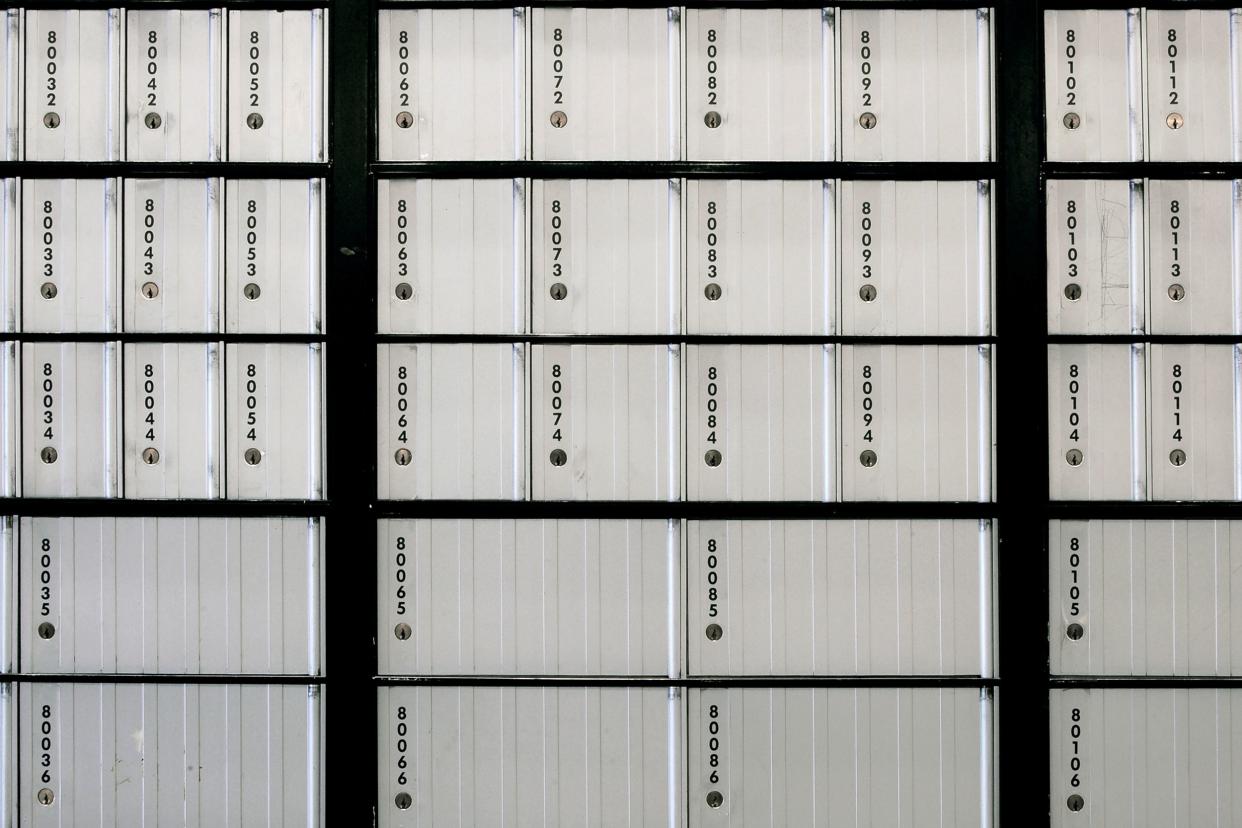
[(150, 456), (51, 120), (403, 457), (1177, 457), (1175, 120), (1072, 120), (45, 796), (558, 119), (150, 290), (1177, 293), (402, 631), (404, 119), (867, 120)]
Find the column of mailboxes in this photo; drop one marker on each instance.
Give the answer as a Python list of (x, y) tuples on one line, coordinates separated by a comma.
[(94, 273), (1131, 419), (518, 318)]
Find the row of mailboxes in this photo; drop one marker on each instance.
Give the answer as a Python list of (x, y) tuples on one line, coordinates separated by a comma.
[(814, 422), (1156, 85), (754, 598), (1145, 422), (163, 85), (1144, 256), (755, 84), (1124, 757), (704, 757), (707, 256), (1145, 598), (162, 420), (162, 255)]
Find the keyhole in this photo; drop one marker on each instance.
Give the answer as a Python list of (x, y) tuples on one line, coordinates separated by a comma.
[(403, 801), (1073, 457), (51, 120), (1175, 120), (404, 291), (402, 631), (1073, 291), (1177, 293), (558, 119), (48, 290), (1177, 457), (867, 120), (1075, 802), (254, 120), (712, 292), (1071, 120), (712, 119), (404, 119), (1074, 632), (251, 291), (715, 799), (558, 291), (403, 457), (557, 457), (868, 459), (712, 458), (46, 630), (150, 456), (48, 455), (714, 632), (253, 456), (867, 293), (150, 290), (45, 796), (153, 120)]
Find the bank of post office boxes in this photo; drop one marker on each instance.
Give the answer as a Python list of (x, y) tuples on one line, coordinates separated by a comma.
[(71, 423), (1097, 421), (839, 597), (916, 258), (71, 255), (760, 85), (171, 595), (1195, 419), (605, 422), (1096, 273), (452, 84), (73, 84), (274, 256), (916, 422), (1093, 85), (760, 257), (466, 756), (1194, 272), (1193, 74), (173, 420), (174, 85), (606, 256), (171, 754), (273, 421), (605, 84), (452, 421), (1145, 597), (760, 422), (173, 255), (12, 62), (817, 757), (1126, 757), (916, 85), (452, 256), (277, 69), (530, 598)]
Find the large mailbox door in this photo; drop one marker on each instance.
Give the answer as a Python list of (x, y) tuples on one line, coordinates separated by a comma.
[(530, 597), (839, 597), (760, 84)]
